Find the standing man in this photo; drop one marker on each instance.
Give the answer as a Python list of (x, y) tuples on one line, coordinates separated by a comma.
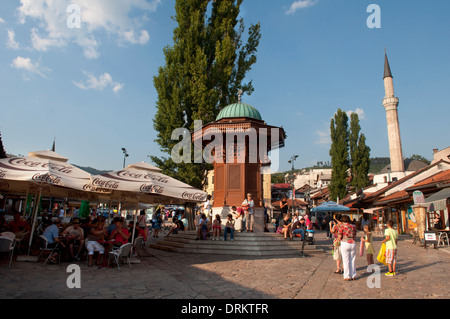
[(249, 205)]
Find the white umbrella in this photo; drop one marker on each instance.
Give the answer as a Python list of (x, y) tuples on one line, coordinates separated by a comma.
[(43, 172), (144, 183)]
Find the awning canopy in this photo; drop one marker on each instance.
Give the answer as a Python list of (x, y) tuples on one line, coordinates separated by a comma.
[(330, 207), (438, 201), (374, 210)]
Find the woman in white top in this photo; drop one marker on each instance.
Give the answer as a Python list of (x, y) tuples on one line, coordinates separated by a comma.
[(249, 206)]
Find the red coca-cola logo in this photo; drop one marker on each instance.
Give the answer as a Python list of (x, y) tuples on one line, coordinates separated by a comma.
[(91, 188), (47, 178), (151, 188), (4, 184), (194, 196), (20, 161), (105, 184)]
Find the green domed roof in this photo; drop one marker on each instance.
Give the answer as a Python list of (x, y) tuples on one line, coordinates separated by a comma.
[(239, 110)]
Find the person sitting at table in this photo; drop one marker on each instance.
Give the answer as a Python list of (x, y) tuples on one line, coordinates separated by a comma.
[(96, 234), (120, 235), (18, 225), (74, 234), (111, 227), (138, 232), (51, 233)]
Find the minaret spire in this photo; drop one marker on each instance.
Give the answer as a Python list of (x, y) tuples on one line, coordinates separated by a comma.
[(387, 68), (390, 104)]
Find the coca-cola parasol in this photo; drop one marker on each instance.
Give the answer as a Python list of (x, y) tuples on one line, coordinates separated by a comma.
[(43, 173), (144, 183)]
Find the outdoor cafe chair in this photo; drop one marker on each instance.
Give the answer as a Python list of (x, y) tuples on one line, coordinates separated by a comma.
[(44, 247), (139, 246), (7, 244), (121, 252)]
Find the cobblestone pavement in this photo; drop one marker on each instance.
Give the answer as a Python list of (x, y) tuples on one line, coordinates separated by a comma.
[(421, 274)]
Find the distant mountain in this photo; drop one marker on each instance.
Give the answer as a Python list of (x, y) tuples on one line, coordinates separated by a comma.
[(91, 170)]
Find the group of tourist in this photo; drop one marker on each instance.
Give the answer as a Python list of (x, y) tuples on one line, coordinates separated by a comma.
[(294, 225), (238, 217), (92, 235), (344, 246)]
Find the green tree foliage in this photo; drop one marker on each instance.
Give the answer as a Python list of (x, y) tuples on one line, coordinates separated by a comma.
[(359, 154), (361, 164), (420, 158), (339, 153), (204, 70), (2, 149)]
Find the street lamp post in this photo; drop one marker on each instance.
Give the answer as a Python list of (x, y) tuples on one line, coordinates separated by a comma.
[(291, 161), (125, 155)]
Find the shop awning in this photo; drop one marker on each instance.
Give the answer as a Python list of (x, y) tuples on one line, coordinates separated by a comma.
[(438, 201), (374, 210)]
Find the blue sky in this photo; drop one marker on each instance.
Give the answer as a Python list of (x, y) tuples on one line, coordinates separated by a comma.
[(92, 88)]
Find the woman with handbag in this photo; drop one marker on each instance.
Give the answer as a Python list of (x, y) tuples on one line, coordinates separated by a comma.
[(348, 247)]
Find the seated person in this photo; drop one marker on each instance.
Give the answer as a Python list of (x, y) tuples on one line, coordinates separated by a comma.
[(74, 234), (120, 234), (185, 221), (96, 234), (298, 228), (18, 224), (51, 233), (285, 226), (112, 226), (3, 223), (177, 227), (437, 222), (138, 232)]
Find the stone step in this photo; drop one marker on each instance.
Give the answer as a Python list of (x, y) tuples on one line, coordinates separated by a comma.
[(236, 242), (229, 245), (239, 252), (250, 244)]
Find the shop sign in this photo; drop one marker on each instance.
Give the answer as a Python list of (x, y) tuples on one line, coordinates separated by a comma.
[(418, 198)]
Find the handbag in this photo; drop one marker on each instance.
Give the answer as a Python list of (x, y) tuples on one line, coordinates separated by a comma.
[(361, 249), (382, 254)]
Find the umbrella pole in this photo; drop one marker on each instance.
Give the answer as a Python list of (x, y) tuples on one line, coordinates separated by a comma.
[(34, 221), (26, 203), (134, 225)]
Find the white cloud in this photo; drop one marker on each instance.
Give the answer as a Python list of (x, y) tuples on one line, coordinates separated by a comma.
[(324, 137), (26, 64), (300, 4), (358, 111), (99, 83), (11, 43), (117, 18), (2, 21)]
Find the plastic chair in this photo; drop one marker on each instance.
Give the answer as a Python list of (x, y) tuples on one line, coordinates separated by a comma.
[(7, 245), (139, 246), (44, 247), (443, 236), (122, 251)]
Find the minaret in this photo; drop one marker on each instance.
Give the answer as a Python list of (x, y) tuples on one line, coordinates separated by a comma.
[(390, 104)]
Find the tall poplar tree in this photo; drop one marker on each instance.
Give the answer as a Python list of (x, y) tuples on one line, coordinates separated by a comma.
[(203, 72), (361, 164), (339, 153), (359, 154), (2, 149)]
